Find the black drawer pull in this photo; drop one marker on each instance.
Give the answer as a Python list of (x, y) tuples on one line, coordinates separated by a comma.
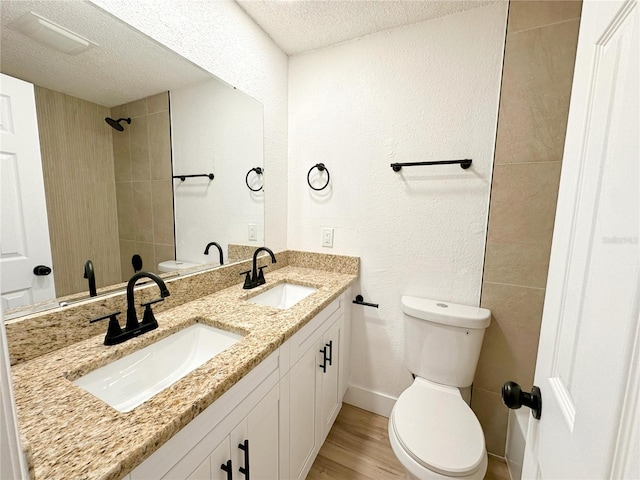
[(227, 468), (245, 448)]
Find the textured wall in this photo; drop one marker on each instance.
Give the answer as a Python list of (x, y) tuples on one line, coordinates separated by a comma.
[(142, 154), (534, 104), (221, 38), (423, 92)]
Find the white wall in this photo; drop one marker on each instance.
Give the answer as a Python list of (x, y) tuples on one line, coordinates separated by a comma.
[(221, 38), (215, 128), (424, 92)]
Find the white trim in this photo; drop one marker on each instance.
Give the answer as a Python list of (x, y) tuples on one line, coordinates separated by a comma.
[(13, 463), (369, 400)]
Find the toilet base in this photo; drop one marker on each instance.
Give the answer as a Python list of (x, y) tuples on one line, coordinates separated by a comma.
[(415, 471)]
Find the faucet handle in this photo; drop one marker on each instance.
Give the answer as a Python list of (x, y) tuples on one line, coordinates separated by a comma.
[(247, 279), (151, 302), (114, 331), (149, 321), (261, 280)]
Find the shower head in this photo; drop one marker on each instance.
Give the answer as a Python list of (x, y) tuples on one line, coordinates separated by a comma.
[(116, 123)]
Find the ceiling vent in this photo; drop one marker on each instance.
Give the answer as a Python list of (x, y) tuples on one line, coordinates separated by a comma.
[(48, 33)]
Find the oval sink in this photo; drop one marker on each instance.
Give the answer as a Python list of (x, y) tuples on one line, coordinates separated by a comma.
[(130, 381), (283, 295)]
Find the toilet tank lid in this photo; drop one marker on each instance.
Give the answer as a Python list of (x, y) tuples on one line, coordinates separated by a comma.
[(446, 313)]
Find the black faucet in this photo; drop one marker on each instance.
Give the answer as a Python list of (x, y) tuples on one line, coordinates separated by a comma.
[(115, 334), (90, 275), (255, 276), (148, 320), (206, 250)]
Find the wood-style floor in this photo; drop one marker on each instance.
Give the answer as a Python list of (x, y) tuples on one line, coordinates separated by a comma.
[(357, 448)]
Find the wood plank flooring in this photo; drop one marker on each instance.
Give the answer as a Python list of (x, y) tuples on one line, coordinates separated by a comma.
[(357, 448)]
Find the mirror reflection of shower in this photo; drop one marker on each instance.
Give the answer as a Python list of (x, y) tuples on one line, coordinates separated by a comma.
[(116, 123)]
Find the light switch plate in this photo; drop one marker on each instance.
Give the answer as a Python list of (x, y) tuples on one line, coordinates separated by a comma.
[(253, 232), (327, 237)]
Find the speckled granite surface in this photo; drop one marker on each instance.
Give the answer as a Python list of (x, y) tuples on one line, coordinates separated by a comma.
[(71, 434), (39, 333)]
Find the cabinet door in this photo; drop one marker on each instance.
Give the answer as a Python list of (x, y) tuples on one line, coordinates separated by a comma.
[(304, 438), (262, 428), (330, 398)]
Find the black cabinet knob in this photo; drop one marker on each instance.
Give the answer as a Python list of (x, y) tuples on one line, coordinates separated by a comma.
[(514, 398), (41, 270)]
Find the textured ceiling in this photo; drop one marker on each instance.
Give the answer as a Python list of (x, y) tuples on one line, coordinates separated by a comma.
[(302, 25), (125, 66)]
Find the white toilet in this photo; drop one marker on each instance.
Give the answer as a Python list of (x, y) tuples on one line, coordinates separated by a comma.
[(432, 429)]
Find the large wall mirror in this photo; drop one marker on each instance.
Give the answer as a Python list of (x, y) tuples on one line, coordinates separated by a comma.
[(178, 167)]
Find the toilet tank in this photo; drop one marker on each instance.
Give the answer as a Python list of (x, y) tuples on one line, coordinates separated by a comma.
[(442, 340)]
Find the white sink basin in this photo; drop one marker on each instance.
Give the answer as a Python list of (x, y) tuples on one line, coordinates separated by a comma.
[(283, 295), (131, 380)]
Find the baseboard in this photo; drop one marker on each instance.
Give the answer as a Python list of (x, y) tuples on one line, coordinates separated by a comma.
[(375, 402)]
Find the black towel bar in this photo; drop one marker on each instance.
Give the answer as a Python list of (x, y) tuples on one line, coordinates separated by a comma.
[(184, 177), (359, 301), (466, 163)]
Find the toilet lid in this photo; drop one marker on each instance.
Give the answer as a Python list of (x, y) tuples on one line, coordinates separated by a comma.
[(437, 429)]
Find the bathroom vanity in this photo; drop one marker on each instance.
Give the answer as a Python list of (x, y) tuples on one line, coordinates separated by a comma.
[(263, 406)]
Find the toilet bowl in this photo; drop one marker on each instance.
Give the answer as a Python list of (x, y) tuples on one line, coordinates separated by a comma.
[(432, 430), (435, 435)]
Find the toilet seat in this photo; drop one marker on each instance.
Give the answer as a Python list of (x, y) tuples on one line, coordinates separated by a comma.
[(438, 430)]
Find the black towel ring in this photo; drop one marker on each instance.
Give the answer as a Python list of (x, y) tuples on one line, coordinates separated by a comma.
[(321, 168), (259, 171)]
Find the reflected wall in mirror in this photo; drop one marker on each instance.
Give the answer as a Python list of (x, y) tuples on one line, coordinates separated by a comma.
[(110, 193)]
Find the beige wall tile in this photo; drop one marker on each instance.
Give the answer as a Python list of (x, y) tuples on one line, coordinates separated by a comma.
[(127, 250), (510, 344), (160, 146), (517, 264), (523, 203), (137, 108), (146, 251), (164, 252), (145, 155), (493, 416), (162, 205), (525, 14), (121, 156), (138, 131), (121, 111), (124, 196), (536, 88), (140, 170), (143, 212), (158, 103)]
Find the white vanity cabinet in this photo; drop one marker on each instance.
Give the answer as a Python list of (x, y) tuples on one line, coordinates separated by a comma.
[(314, 387), (248, 411), (249, 452), (283, 409)]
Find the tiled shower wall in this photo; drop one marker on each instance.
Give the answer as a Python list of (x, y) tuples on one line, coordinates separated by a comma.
[(534, 103), (144, 190), (77, 163)]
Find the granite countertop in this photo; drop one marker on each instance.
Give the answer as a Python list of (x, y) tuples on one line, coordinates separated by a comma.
[(69, 433)]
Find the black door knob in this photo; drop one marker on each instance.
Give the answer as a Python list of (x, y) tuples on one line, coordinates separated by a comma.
[(41, 270), (514, 398)]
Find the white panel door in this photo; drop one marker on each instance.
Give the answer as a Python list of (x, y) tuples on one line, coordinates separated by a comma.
[(24, 230), (587, 367)]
